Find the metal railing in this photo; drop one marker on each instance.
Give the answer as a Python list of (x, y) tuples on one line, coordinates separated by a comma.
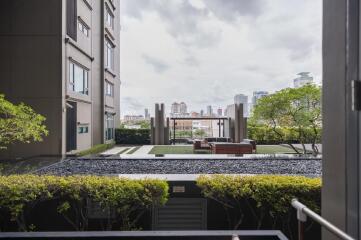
[(303, 212)]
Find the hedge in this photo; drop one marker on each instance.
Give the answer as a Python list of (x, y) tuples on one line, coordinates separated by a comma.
[(132, 136), (262, 201), (123, 199)]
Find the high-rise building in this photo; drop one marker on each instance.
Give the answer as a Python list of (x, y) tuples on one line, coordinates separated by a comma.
[(64, 58), (303, 79), (175, 108), (183, 108), (258, 95), (146, 113), (241, 98), (209, 111), (219, 112), (202, 113)]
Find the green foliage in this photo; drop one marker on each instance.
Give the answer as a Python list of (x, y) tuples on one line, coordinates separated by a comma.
[(127, 199), (264, 196), (95, 149), (19, 123), (264, 134), (132, 136), (200, 133), (298, 109)]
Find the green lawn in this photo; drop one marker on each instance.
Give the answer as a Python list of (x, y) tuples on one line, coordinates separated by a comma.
[(261, 149), (273, 149)]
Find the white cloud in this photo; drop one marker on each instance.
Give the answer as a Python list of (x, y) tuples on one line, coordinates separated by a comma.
[(205, 51)]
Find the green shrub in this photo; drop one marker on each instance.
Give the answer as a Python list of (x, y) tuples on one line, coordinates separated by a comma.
[(95, 149), (123, 198), (264, 200), (132, 136), (265, 135)]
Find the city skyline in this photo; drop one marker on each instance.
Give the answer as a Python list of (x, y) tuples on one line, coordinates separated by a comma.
[(218, 50)]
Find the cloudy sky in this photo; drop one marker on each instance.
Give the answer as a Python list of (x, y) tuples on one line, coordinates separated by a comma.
[(203, 52)]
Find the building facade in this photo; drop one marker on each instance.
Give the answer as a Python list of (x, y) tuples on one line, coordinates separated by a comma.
[(258, 95), (303, 79), (242, 99), (67, 51)]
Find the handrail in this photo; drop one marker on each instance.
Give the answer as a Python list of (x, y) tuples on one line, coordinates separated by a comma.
[(303, 212)]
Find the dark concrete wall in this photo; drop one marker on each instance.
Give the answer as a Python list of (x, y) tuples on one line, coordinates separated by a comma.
[(340, 191), (30, 60)]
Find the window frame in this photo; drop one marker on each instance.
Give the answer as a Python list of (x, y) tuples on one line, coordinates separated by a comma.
[(72, 78), (109, 126), (109, 54), (83, 27), (109, 89), (109, 17)]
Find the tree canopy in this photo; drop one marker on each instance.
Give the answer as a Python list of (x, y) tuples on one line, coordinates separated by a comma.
[(19, 123), (296, 108)]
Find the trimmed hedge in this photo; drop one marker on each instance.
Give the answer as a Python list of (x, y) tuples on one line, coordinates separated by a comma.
[(262, 201), (123, 200), (132, 136)]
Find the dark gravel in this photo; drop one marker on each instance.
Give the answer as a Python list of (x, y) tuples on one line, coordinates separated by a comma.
[(306, 167)]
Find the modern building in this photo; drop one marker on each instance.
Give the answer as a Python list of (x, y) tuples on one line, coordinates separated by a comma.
[(220, 112), (209, 111), (67, 54), (131, 118), (303, 79), (241, 98), (258, 95), (146, 113), (202, 113), (179, 110)]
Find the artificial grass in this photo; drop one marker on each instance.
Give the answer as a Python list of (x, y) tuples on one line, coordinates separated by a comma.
[(123, 151), (273, 149), (95, 149)]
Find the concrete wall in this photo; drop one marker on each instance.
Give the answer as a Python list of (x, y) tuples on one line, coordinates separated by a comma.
[(30, 60)]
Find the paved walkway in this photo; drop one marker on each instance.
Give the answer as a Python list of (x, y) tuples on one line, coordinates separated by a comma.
[(145, 149), (114, 150)]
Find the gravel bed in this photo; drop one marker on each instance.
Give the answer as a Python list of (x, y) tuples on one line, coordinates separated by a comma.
[(185, 166)]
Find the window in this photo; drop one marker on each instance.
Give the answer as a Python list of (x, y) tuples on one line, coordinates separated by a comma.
[(83, 27), (71, 13), (109, 89), (109, 126), (83, 129), (109, 54), (78, 79), (109, 18)]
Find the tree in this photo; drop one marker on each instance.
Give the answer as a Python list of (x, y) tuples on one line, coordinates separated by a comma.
[(298, 109), (19, 123), (200, 133)]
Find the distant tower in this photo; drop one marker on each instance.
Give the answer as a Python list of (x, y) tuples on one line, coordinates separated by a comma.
[(219, 112), (209, 111), (146, 113), (183, 108), (258, 95), (175, 108), (241, 98), (202, 113), (303, 79)]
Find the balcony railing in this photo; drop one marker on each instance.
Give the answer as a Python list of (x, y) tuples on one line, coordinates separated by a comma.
[(303, 212)]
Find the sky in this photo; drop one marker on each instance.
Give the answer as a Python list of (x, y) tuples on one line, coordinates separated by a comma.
[(203, 52)]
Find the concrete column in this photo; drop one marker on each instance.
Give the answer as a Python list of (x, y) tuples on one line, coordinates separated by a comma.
[(152, 131), (238, 123)]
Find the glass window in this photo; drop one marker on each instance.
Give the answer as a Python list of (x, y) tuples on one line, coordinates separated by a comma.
[(78, 79), (83, 28), (83, 129), (109, 126), (109, 89), (109, 18), (109, 54)]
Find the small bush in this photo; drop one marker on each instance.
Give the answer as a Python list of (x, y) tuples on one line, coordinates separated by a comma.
[(95, 149), (132, 136), (261, 202), (125, 200)]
